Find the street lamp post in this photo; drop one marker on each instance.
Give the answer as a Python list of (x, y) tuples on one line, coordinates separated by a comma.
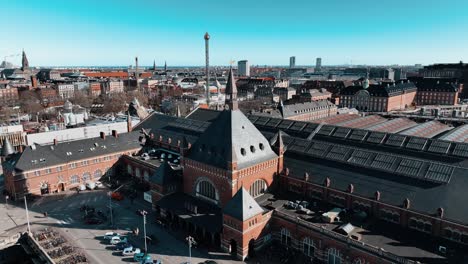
[(27, 214), (110, 208), (190, 241), (144, 213), (110, 203)]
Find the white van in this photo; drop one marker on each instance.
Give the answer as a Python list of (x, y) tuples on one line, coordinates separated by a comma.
[(90, 185)]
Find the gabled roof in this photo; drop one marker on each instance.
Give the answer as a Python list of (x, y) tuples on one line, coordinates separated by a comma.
[(42, 156), (163, 174), (231, 138), (242, 206)]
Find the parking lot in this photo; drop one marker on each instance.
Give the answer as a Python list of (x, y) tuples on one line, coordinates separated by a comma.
[(64, 212)]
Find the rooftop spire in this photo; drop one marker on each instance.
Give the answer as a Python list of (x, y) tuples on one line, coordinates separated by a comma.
[(231, 92), (24, 62)]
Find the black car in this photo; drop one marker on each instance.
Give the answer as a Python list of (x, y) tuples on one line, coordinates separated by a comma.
[(122, 245)]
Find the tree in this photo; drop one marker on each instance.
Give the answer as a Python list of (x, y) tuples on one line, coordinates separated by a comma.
[(5, 114), (30, 102), (82, 99), (115, 103)]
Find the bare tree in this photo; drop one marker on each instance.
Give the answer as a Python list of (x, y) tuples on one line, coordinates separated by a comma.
[(82, 99), (5, 114), (30, 102), (115, 103)]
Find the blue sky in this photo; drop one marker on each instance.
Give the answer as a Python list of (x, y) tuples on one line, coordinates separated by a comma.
[(266, 32)]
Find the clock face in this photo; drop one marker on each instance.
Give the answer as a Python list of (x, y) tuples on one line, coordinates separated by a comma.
[(226, 107)]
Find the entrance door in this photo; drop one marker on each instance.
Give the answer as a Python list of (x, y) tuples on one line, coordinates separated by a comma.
[(233, 248), (252, 248)]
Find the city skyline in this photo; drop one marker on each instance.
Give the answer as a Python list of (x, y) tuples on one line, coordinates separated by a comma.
[(112, 32)]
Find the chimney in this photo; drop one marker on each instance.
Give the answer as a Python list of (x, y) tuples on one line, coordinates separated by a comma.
[(102, 135), (115, 134), (33, 81), (55, 142)]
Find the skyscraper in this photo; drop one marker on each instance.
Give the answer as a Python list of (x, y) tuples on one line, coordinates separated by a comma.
[(318, 64), (292, 62), (243, 68)]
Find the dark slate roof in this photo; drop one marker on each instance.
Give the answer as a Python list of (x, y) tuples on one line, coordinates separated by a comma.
[(242, 206), (41, 156), (424, 197), (439, 85), (202, 114), (164, 174), (231, 138), (155, 121), (208, 215), (381, 90)]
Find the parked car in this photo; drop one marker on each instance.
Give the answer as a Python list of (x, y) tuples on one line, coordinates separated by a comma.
[(98, 184), (110, 235), (117, 196), (149, 260), (93, 221), (122, 245), (90, 185), (118, 239), (139, 257), (130, 251)]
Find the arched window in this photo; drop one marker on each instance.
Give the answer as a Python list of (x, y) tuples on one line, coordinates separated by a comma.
[(334, 256), (97, 174), (129, 169), (258, 188), (137, 173), (146, 175), (308, 247), (74, 179), (207, 190), (86, 176), (285, 237)]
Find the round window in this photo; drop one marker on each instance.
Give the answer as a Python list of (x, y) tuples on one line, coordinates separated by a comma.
[(261, 146), (252, 149)]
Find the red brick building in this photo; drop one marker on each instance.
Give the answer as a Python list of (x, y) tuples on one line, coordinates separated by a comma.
[(42, 169), (219, 190), (378, 97), (437, 91)]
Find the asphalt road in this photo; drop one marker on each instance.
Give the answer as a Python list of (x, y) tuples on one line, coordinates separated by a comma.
[(63, 213)]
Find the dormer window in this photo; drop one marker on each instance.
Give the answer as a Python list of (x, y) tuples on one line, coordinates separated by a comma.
[(243, 152), (252, 149)]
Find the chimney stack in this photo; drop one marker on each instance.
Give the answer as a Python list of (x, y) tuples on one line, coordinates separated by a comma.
[(103, 135), (115, 134), (33, 82)]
